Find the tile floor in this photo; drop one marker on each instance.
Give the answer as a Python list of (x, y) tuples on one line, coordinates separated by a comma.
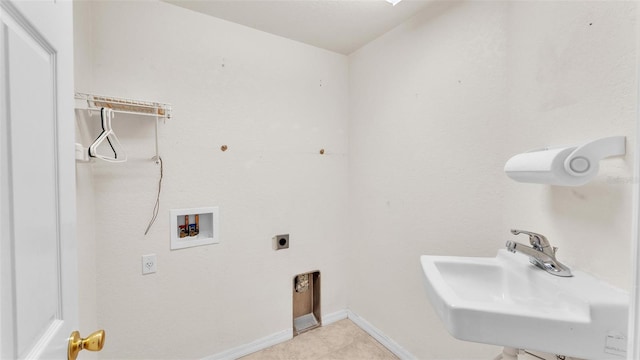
[(342, 340)]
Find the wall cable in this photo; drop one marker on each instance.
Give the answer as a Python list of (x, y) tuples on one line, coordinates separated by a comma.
[(156, 207)]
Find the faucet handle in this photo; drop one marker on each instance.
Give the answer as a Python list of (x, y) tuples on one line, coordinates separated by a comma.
[(538, 241)]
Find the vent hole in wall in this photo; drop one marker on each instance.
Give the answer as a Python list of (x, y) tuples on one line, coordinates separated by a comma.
[(306, 302)]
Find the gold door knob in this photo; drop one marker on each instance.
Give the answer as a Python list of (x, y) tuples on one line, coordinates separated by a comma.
[(93, 342)]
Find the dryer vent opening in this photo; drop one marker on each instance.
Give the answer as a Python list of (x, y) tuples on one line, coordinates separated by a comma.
[(306, 302)]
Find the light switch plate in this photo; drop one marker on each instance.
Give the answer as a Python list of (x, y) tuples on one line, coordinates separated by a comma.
[(149, 264)]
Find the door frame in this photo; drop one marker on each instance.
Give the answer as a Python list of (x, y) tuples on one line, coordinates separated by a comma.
[(633, 347)]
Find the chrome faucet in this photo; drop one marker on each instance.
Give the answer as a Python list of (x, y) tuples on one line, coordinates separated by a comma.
[(541, 254)]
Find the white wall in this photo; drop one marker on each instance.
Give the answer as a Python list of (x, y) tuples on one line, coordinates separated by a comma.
[(85, 199), (436, 108), (432, 110), (426, 124), (573, 80), (275, 103)]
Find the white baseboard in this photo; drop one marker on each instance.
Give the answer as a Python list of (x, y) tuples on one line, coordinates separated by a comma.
[(336, 316), (257, 345), (393, 346), (284, 335)]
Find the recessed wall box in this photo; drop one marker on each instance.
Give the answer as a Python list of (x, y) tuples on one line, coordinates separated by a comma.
[(194, 227), (566, 166), (306, 302)]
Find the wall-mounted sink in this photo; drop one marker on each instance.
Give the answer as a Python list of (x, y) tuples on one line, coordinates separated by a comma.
[(507, 301)]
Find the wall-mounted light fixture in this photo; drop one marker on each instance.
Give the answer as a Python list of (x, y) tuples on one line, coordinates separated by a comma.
[(393, 2)]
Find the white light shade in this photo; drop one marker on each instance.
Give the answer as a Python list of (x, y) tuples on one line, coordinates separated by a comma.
[(393, 2)]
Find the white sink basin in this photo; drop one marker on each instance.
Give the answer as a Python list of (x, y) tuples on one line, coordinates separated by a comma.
[(507, 301)]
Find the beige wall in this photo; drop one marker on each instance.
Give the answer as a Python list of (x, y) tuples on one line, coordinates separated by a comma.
[(417, 126), (427, 121), (275, 103), (85, 199), (570, 81), (437, 107)]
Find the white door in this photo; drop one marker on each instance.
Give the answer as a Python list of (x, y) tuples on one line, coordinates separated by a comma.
[(38, 264)]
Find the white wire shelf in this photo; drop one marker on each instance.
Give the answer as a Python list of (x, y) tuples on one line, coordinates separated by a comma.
[(123, 105)]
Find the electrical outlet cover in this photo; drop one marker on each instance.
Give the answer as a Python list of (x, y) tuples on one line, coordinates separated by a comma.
[(149, 264)]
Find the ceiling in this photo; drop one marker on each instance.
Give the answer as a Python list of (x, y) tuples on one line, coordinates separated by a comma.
[(342, 26)]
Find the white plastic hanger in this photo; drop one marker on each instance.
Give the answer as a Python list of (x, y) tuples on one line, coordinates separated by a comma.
[(119, 155)]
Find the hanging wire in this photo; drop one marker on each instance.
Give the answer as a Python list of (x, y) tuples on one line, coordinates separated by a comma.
[(156, 208)]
